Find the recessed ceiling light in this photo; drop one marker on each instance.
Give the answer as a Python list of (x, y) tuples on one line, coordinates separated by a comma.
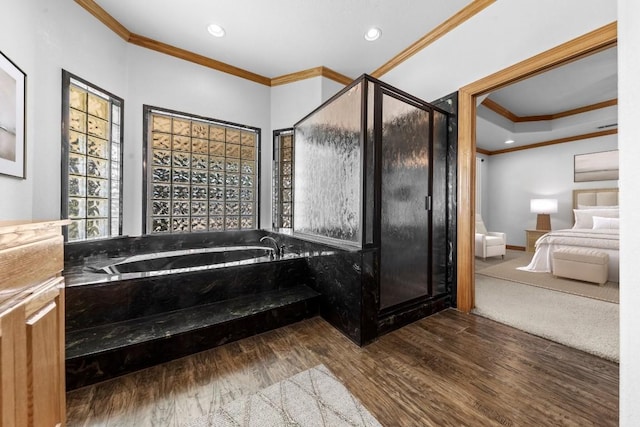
[(215, 30), (372, 34), (509, 141)]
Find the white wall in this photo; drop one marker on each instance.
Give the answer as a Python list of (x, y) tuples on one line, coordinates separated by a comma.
[(19, 45), (291, 102), (629, 107), (164, 81), (512, 179), (67, 37), (330, 88)]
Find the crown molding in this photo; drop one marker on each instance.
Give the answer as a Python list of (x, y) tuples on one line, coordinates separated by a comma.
[(103, 16), (177, 52), (551, 142), (139, 40), (580, 110), (335, 76), (460, 17), (497, 108), (310, 73)]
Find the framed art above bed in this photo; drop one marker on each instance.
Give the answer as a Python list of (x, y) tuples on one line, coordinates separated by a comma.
[(602, 166)]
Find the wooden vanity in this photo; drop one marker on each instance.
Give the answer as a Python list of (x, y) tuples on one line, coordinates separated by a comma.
[(32, 388)]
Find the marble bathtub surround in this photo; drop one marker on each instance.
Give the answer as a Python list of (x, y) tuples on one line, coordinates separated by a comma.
[(118, 323), (103, 352)]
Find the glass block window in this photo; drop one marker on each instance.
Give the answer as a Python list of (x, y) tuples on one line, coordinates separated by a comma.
[(92, 160), (201, 174), (283, 144)]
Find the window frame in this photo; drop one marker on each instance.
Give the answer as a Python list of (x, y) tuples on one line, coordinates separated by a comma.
[(277, 177), (67, 78), (147, 111)]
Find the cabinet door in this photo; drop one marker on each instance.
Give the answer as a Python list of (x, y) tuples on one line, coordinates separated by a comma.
[(13, 368), (44, 338)]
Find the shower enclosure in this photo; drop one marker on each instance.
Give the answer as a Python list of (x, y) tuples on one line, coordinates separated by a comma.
[(372, 173)]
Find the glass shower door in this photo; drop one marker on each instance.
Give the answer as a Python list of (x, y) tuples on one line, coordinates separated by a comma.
[(404, 228)]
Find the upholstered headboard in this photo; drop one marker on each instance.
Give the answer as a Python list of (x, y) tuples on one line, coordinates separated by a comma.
[(595, 197)]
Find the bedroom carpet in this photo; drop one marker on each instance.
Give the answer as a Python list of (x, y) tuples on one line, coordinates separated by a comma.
[(507, 271), (587, 324)]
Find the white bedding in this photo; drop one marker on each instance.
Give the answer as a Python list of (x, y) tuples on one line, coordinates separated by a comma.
[(605, 240)]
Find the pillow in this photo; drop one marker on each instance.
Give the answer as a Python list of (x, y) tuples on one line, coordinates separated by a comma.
[(601, 223), (584, 217), (596, 207)]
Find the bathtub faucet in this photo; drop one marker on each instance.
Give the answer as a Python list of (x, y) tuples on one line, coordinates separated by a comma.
[(279, 249)]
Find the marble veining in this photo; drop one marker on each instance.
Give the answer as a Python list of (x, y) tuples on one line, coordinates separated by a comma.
[(135, 331), (117, 323), (169, 339)]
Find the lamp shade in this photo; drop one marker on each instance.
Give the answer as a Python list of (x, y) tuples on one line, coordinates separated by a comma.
[(544, 206)]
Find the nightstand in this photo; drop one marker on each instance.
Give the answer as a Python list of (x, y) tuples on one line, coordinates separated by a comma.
[(532, 237)]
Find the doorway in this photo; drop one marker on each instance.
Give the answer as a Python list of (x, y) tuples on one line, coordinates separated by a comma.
[(587, 44)]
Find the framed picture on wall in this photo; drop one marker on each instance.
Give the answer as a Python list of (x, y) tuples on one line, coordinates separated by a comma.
[(12, 118), (601, 166)]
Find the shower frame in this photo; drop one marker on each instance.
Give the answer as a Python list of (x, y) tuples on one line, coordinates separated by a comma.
[(371, 319)]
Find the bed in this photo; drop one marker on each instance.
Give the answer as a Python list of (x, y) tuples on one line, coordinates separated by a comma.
[(595, 227)]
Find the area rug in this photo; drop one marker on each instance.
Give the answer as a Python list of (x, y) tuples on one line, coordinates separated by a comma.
[(584, 323), (508, 271), (309, 399)]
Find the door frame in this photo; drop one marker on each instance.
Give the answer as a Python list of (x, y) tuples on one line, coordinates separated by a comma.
[(592, 42)]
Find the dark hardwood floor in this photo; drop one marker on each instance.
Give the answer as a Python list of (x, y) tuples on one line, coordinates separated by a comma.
[(447, 369)]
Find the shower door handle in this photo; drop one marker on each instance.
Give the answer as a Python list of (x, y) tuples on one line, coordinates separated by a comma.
[(427, 203)]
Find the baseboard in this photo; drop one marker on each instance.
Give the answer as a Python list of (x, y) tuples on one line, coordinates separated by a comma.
[(517, 248)]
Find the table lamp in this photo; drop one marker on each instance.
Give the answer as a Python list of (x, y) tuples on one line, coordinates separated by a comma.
[(544, 207)]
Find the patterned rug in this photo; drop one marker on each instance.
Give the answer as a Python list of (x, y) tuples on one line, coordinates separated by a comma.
[(309, 399)]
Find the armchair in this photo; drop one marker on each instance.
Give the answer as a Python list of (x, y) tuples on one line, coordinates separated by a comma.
[(489, 243)]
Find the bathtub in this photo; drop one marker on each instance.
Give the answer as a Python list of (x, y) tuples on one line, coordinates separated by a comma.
[(184, 260)]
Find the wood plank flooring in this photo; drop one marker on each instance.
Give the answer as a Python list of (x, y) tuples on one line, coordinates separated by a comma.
[(448, 369)]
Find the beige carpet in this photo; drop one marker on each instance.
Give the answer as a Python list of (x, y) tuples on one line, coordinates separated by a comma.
[(507, 270), (313, 398), (587, 324)]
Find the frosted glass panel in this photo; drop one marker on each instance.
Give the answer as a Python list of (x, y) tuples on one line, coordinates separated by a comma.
[(327, 170), (404, 246)]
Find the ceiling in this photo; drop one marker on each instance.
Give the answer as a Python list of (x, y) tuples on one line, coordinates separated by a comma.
[(578, 84), (279, 37)]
